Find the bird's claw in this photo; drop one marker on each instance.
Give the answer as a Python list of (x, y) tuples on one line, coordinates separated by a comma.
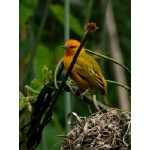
[(84, 93)]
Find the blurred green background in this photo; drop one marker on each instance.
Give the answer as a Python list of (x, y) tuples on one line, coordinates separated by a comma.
[(42, 33)]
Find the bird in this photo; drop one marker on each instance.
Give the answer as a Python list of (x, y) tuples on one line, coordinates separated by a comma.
[(86, 72)]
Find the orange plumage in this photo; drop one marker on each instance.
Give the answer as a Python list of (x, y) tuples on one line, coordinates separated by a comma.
[(86, 71)]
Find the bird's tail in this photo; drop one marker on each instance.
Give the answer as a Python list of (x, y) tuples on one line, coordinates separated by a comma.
[(106, 100)]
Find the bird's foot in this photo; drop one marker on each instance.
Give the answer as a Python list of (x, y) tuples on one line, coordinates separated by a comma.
[(84, 93)]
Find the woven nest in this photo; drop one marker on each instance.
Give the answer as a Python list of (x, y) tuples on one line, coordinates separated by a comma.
[(108, 129)]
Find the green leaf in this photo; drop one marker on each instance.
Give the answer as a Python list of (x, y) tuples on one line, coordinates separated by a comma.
[(36, 85), (42, 58), (25, 10), (58, 12), (22, 102), (32, 93), (47, 75)]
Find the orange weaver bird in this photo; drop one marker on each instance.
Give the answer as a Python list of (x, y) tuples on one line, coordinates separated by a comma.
[(86, 72)]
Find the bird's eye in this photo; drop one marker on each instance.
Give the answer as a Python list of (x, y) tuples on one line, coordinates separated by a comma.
[(72, 46)]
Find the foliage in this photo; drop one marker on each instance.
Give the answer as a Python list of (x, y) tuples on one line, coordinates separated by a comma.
[(58, 12)]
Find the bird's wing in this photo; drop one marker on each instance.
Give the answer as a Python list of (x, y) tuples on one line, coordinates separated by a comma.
[(89, 70)]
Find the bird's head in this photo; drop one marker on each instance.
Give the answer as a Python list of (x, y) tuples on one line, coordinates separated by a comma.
[(71, 47)]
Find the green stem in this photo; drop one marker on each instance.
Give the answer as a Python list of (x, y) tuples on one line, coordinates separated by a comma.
[(89, 10), (28, 88), (55, 73), (108, 58), (119, 84)]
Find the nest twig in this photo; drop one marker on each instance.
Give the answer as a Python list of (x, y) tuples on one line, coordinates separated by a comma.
[(108, 129)]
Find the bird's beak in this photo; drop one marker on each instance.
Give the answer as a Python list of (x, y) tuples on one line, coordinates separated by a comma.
[(65, 47)]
